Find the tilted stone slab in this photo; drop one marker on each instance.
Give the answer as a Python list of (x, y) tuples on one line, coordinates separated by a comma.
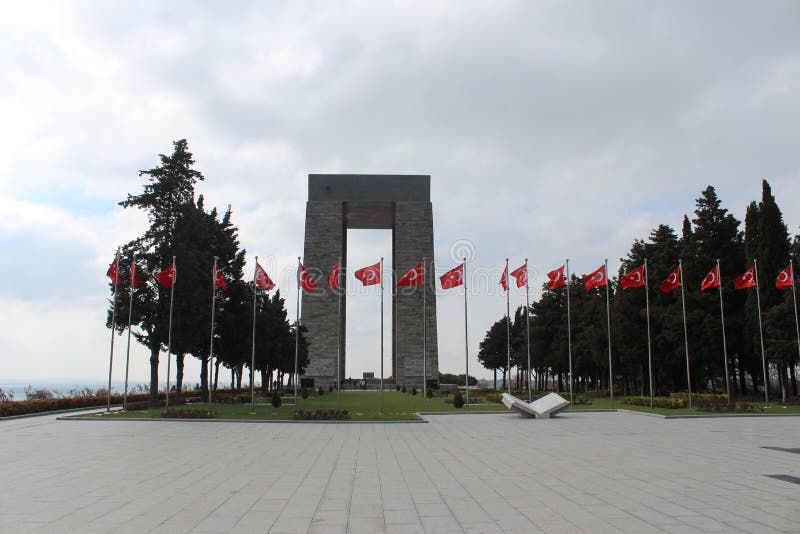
[(542, 408)]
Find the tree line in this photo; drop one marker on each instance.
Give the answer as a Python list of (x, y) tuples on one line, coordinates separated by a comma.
[(713, 233), (182, 227)]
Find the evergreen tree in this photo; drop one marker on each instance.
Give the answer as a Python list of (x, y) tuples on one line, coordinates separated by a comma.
[(492, 351)]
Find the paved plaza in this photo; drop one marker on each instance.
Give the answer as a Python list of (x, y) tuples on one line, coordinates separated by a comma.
[(581, 472)]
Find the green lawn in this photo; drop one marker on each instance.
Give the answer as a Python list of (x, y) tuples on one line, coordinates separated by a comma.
[(605, 404), (361, 405)]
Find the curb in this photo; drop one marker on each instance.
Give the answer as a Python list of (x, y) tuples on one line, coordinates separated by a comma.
[(254, 421), (56, 412)]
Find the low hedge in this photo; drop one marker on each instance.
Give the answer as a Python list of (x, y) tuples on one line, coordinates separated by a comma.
[(68, 403), (187, 413), (321, 415), (670, 403)]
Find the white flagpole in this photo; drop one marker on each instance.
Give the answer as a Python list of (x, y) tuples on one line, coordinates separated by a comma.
[(794, 298), (761, 334), (211, 342), (466, 337), (569, 333), (685, 335), (608, 322), (508, 330), (381, 297), (113, 325), (724, 342), (528, 329), (424, 333), (649, 345), (297, 336), (128, 350), (169, 331), (253, 351), (339, 334)]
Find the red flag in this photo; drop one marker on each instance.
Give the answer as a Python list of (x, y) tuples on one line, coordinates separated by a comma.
[(556, 278), (333, 276), (304, 280), (262, 279), (370, 275), (521, 275), (747, 279), (167, 277), (412, 278), (711, 279), (133, 276), (504, 279), (596, 278), (112, 271), (219, 281), (453, 278), (785, 278), (672, 281), (634, 278)]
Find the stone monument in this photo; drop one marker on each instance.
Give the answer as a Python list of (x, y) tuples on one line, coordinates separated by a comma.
[(400, 203)]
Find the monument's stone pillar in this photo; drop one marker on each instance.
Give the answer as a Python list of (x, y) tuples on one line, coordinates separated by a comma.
[(402, 204)]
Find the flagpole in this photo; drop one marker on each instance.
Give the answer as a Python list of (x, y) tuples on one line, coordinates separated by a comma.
[(724, 342), (569, 335), (649, 345), (761, 334), (685, 335), (128, 350), (508, 331), (211, 342), (113, 325), (794, 298), (424, 333), (608, 323), (381, 295), (169, 331), (466, 337), (339, 334), (528, 329), (253, 351), (297, 335)]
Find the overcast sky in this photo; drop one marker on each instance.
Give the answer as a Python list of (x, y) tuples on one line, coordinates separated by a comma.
[(549, 129)]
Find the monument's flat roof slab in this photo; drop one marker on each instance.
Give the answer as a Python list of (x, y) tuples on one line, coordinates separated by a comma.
[(580, 472), (369, 187)]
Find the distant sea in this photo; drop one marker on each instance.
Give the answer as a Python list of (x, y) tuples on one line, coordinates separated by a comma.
[(17, 387)]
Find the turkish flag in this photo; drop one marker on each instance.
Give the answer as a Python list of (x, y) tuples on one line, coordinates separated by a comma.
[(167, 277), (521, 275), (304, 280), (112, 271), (412, 278), (219, 281), (262, 279), (370, 275), (556, 278), (672, 281), (133, 276), (785, 278), (453, 278), (711, 279), (333, 276), (747, 279), (504, 279), (596, 278), (634, 278)]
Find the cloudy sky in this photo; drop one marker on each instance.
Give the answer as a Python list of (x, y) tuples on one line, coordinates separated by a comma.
[(549, 129)]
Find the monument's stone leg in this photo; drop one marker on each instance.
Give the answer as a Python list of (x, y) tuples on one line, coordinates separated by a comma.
[(326, 241), (413, 240)]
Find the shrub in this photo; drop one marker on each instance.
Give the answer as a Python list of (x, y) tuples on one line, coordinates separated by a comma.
[(330, 388), (305, 393), (320, 391), (494, 397), (670, 403), (187, 413), (404, 388), (430, 393), (458, 399), (413, 390), (397, 387), (322, 415), (276, 399)]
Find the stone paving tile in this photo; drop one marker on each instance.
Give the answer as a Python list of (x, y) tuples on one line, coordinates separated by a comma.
[(604, 472)]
